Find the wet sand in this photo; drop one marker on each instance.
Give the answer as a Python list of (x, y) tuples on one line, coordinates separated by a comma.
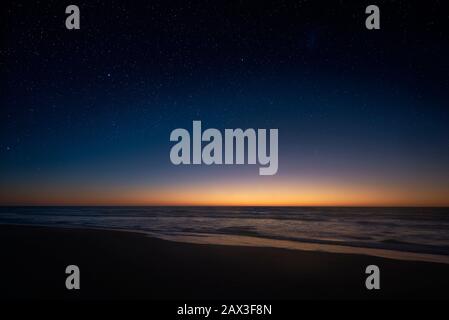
[(123, 265)]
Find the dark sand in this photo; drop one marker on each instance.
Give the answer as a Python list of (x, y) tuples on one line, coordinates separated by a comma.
[(128, 265)]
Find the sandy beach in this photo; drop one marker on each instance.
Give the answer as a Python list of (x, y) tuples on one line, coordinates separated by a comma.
[(125, 265)]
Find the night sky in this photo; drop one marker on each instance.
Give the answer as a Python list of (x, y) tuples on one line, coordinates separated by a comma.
[(362, 115)]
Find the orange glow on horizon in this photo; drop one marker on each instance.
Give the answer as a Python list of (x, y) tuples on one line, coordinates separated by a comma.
[(230, 194)]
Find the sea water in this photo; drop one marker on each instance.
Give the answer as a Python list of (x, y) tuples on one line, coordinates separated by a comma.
[(362, 230)]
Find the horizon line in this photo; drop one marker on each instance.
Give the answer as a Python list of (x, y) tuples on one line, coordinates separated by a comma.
[(218, 205)]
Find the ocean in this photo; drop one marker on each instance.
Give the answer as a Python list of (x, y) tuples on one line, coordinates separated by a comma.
[(402, 233)]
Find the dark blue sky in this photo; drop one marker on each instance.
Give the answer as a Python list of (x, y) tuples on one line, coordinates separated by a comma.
[(362, 115)]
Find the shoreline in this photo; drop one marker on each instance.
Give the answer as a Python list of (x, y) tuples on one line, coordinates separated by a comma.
[(254, 241), (127, 265)]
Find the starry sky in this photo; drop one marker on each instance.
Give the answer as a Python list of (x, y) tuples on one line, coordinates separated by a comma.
[(362, 115)]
